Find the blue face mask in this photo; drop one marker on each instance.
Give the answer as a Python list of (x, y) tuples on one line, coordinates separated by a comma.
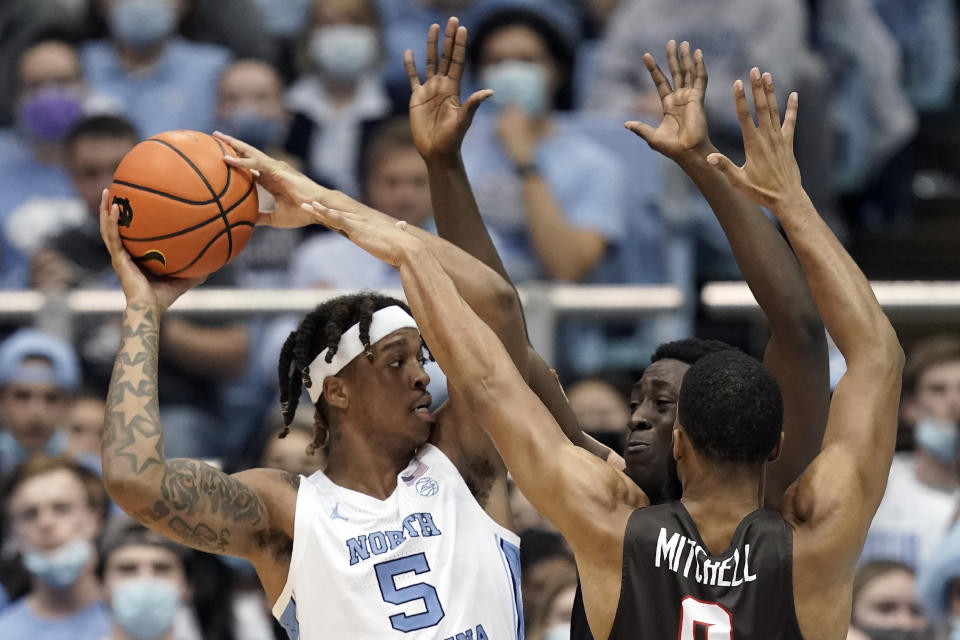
[(61, 568), (344, 51), (50, 114), (939, 438), (141, 23), (254, 129), (519, 83), (145, 607)]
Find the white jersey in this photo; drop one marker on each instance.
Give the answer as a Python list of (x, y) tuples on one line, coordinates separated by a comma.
[(427, 562)]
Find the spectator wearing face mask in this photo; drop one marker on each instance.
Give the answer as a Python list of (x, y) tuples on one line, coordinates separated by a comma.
[(250, 107), (38, 374), (161, 80), (339, 90), (938, 587), (923, 489), (406, 21), (885, 603), (55, 509), (555, 197), (145, 584), (51, 98)]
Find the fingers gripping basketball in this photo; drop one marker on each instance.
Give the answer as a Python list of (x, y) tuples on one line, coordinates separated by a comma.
[(183, 211)]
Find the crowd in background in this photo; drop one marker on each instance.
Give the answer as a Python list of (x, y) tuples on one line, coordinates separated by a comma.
[(321, 85)]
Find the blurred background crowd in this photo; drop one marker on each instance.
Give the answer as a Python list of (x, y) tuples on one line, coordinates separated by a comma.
[(320, 83)]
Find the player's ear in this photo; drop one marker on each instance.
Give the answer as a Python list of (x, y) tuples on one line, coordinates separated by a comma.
[(678, 437), (335, 392), (776, 449)]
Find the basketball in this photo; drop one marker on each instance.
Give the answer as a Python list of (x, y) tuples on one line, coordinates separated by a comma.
[(183, 211)]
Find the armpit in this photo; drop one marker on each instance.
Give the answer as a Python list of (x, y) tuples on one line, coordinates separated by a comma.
[(479, 474)]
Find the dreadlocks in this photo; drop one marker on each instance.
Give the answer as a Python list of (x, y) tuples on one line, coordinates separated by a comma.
[(321, 329)]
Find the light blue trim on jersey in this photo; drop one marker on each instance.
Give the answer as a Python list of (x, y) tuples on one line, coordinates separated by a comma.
[(510, 553), (289, 620)]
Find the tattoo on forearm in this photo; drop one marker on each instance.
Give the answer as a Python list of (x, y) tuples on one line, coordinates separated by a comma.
[(131, 427), (200, 504)]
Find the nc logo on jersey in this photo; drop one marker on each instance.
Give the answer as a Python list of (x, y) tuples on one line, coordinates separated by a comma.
[(427, 486)]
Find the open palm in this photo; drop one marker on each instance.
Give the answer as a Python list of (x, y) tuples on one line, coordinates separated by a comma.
[(438, 120), (684, 125)]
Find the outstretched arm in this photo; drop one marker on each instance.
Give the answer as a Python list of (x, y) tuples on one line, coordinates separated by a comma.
[(587, 500), (439, 122), (797, 351), (186, 500), (861, 427)]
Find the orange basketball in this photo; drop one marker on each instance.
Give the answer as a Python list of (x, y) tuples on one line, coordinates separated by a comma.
[(183, 211)]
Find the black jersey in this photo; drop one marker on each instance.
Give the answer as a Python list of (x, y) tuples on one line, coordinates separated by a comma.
[(674, 588)]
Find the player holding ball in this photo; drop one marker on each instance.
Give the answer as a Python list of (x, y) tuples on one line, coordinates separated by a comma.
[(407, 531)]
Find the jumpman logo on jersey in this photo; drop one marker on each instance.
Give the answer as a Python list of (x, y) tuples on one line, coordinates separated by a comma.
[(335, 514)]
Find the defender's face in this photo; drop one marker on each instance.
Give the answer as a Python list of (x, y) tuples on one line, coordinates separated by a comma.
[(653, 411), (389, 396)]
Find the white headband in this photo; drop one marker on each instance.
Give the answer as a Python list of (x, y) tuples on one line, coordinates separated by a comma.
[(385, 321)]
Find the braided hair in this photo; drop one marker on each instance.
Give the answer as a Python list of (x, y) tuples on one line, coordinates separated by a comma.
[(322, 329)]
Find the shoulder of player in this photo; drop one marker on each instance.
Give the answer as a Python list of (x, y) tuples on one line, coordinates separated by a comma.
[(277, 490)]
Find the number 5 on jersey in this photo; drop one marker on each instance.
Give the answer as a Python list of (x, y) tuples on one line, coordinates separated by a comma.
[(387, 573)]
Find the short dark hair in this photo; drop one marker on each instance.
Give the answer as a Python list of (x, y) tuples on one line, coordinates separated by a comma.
[(731, 408), (101, 126), (557, 44), (123, 531), (321, 329), (41, 465), (928, 353), (689, 350)]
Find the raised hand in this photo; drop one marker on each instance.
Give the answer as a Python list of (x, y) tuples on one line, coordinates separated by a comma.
[(376, 233), (770, 174), (288, 186), (138, 287), (683, 129), (438, 120)]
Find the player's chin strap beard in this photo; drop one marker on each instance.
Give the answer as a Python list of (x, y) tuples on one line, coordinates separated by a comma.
[(385, 321)]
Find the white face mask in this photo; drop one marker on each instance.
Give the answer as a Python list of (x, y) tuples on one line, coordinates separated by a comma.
[(519, 83), (344, 51)]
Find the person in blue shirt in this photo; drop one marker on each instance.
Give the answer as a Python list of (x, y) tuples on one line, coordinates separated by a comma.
[(55, 510), (145, 582), (162, 80), (554, 196), (39, 373), (51, 97)]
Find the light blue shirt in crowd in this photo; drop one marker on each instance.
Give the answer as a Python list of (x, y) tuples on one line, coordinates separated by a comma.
[(179, 93), (19, 621), (31, 192), (586, 179)]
